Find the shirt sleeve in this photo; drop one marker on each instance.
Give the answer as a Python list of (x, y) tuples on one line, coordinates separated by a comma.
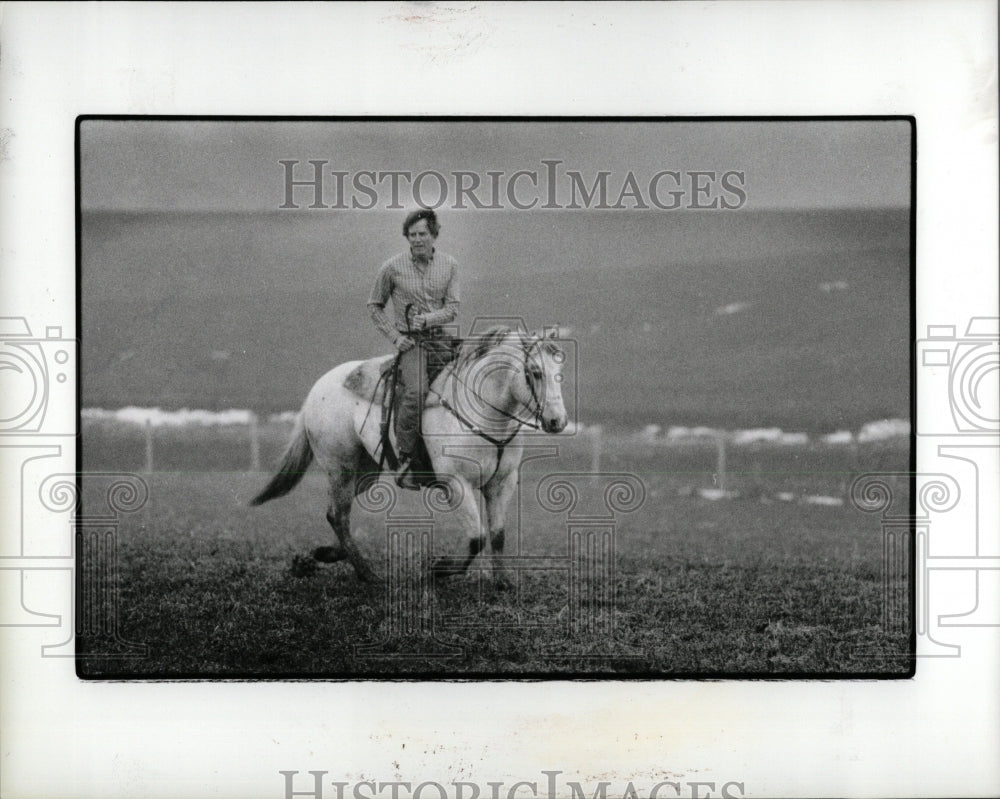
[(381, 292), (451, 300)]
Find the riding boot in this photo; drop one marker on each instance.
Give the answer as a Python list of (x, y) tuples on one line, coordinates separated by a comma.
[(406, 477)]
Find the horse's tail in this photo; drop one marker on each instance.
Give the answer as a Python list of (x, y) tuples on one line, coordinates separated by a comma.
[(298, 455)]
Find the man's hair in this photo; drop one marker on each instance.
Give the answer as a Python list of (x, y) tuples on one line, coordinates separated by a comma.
[(421, 213)]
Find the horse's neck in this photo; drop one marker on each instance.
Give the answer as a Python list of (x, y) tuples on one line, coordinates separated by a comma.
[(492, 397)]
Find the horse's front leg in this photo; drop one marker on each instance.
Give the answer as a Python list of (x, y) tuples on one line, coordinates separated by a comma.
[(459, 497), (498, 494)]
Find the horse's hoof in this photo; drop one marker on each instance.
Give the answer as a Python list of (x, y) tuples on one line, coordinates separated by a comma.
[(368, 576), (328, 554), (302, 566), (443, 568)]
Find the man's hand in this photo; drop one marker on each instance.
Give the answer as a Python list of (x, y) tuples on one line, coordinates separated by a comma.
[(404, 343), (419, 321)]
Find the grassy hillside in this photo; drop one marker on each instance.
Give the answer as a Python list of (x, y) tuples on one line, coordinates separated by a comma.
[(230, 310)]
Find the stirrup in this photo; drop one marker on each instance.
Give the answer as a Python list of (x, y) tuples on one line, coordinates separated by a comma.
[(405, 478)]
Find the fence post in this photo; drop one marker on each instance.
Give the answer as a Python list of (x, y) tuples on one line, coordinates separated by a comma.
[(254, 443), (149, 446), (596, 434), (720, 460)]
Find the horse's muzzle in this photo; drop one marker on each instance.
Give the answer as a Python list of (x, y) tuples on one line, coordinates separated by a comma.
[(556, 425)]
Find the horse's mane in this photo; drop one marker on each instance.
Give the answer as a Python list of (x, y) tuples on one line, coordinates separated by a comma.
[(479, 345)]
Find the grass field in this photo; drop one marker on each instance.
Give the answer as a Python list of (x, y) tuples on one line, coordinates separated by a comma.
[(750, 586)]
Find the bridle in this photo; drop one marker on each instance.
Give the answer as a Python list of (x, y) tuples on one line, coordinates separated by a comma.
[(501, 444)]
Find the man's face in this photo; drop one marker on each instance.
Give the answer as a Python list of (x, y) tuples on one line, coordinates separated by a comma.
[(420, 238)]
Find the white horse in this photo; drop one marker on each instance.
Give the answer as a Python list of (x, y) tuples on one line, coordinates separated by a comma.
[(501, 382)]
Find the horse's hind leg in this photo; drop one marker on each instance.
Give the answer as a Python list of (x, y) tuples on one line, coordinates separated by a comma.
[(338, 514)]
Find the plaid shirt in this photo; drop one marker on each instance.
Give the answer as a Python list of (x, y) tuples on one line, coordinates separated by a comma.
[(432, 290)]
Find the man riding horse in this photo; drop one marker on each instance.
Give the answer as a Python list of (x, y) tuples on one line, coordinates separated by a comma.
[(423, 286), (503, 381)]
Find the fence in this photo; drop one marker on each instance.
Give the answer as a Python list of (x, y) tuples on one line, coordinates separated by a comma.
[(253, 427), (713, 464), (249, 444)]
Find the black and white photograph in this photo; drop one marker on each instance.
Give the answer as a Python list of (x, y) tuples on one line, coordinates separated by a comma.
[(448, 399), (499, 398)]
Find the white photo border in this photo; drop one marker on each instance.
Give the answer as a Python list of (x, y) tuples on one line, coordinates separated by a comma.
[(936, 734)]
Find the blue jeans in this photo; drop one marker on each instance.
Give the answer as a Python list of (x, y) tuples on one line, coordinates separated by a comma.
[(418, 366)]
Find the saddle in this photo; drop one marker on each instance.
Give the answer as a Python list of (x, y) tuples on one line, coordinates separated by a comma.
[(377, 380)]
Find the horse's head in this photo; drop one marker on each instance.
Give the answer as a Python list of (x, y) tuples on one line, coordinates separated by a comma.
[(503, 373), (539, 383)]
